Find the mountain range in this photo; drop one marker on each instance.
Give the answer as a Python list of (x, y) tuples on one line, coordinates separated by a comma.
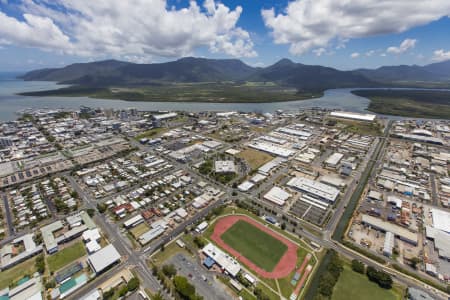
[(285, 73)]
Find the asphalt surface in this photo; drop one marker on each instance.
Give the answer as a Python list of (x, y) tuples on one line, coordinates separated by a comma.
[(189, 268)]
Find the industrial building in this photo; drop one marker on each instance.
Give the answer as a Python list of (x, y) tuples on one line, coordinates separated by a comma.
[(353, 116), (314, 188), (272, 149), (334, 159), (388, 246), (441, 241), (400, 232), (277, 195)]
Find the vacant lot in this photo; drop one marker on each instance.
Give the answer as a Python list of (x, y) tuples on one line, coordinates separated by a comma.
[(259, 247), (66, 256), (139, 230), (352, 285), (12, 275), (255, 158)]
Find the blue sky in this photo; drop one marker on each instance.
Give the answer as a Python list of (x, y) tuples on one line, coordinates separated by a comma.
[(336, 33)]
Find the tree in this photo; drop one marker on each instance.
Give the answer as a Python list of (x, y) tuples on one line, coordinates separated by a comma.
[(169, 270), (383, 279), (199, 242), (157, 296), (183, 287), (101, 207), (327, 283), (414, 262), (90, 212), (123, 291), (358, 266), (133, 284), (283, 226), (40, 264)]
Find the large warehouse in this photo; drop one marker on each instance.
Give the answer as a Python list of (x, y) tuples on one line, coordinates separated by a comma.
[(277, 196), (314, 188), (353, 116)]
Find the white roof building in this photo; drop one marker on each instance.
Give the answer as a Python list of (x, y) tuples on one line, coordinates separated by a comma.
[(224, 166), (277, 196), (103, 258), (225, 261), (272, 149), (134, 221), (441, 219), (334, 159), (314, 188), (245, 186), (202, 226), (353, 116)]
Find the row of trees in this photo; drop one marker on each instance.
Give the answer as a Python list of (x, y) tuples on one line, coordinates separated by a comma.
[(380, 277), (331, 275)]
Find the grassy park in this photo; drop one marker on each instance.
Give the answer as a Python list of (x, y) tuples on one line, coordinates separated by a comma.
[(353, 285)]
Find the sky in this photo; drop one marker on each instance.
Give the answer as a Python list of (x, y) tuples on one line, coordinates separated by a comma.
[(344, 34)]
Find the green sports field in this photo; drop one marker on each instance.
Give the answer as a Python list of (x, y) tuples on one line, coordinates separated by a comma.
[(259, 247)]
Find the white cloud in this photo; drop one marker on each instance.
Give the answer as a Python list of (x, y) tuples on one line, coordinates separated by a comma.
[(134, 29), (441, 55), (319, 51), (404, 46), (370, 53), (310, 24), (354, 55)]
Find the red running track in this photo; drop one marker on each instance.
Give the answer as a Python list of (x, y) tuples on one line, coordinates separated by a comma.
[(287, 262)]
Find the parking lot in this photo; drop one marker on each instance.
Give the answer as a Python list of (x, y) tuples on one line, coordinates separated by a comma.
[(196, 274)]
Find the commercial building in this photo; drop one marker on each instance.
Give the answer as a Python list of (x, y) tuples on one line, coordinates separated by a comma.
[(400, 232), (314, 188), (151, 235), (277, 195), (223, 260), (224, 166), (103, 259), (353, 116)]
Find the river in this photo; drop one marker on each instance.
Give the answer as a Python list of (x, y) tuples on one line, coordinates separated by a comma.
[(10, 103)]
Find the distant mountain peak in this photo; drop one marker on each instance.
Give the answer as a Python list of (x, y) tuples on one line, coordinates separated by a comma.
[(284, 62)]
